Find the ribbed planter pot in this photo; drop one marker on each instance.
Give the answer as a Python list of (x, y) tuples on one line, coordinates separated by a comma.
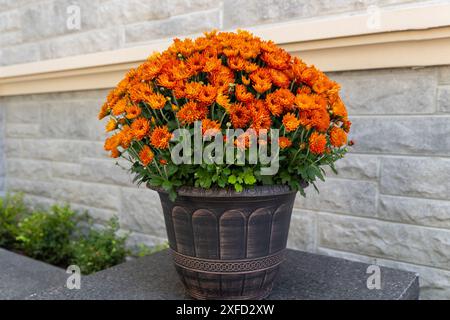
[(228, 245)]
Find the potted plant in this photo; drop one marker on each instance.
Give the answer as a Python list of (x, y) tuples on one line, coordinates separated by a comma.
[(227, 128)]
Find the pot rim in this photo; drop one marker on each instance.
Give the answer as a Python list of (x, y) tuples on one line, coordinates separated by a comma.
[(256, 191)]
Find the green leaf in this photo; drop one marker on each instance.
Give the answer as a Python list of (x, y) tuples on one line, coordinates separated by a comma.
[(232, 179)]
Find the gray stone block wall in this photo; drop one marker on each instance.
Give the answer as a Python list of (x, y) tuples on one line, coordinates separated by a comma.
[(33, 30), (2, 152), (390, 203)]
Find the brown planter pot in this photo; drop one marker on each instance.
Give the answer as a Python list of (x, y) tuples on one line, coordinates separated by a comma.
[(228, 245)]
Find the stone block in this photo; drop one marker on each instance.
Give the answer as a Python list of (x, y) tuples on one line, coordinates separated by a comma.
[(421, 177), (343, 196), (131, 11), (408, 243), (356, 166), (302, 232), (29, 169), (82, 43), (402, 135), (434, 283), (105, 171), (425, 212), (141, 211), (444, 99), (390, 91), (27, 52), (175, 26), (9, 20)]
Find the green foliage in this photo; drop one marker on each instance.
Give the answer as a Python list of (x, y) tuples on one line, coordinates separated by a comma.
[(61, 236), (12, 209), (143, 250), (46, 235), (98, 249)]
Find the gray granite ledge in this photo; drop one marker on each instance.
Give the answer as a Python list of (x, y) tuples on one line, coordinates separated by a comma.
[(21, 276), (302, 276)]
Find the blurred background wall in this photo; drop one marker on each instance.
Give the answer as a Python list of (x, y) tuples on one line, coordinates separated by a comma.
[(390, 204)]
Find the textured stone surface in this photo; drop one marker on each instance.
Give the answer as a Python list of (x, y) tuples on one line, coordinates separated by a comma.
[(339, 195), (434, 283), (302, 276), (391, 91), (444, 99), (75, 44), (356, 166), (402, 135), (21, 277), (250, 12), (425, 212), (422, 177), (385, 240), (179, 25), (141, 211), (302, 235)]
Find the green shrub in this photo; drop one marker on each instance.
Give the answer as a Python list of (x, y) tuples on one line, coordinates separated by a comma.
[(143, 250), (12, 209), (99, 249), (46, 235)]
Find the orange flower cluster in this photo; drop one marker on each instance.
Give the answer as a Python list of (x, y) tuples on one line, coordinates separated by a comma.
[(225, 80)]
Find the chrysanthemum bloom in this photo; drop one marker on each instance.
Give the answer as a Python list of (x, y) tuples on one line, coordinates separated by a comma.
[(284, 142), (119, 107), (210, 127), (156, 101), (207, 95), (111, 125), (104, 111), (192, 112), (140, 92), (338, 137), (146, 155), (239, 116), (242, 94), (290, 122), (133, 112), (317, 143), (140, 128), (160, 137), (126, 136), (192, 90)]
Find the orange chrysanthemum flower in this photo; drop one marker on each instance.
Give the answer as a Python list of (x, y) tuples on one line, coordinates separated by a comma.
[(239, 116), (224, 101), (156, 101), (210, 127), (111, 125), (317, 143), (133, 112), (262, 86), (146, 155), (126, 136), (119, 107), (140, 128), (160, 137), (207, 94), (290, 122), (112, 142), (338, 137), (284, 142), (104, 111), (279, 78), (192, 90), (242, 94), (339, 109), (192, 112)]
